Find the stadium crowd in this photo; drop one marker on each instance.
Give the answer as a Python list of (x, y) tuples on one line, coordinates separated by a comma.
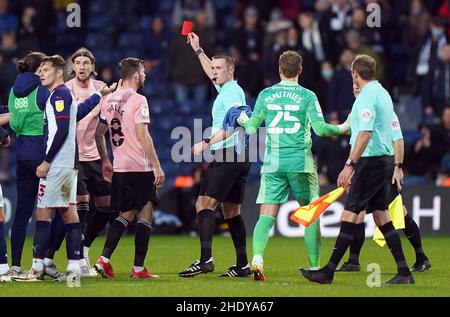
[(411, 49)]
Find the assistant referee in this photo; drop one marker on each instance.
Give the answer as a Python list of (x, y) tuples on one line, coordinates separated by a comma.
[(369, 168)]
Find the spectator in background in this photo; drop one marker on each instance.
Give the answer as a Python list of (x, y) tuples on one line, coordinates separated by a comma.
[(437, 89), (9, 45), (28, 36), (289, 8), (187, 9), (341, 90), (334, 22), (359, 24), (311, 37), (417, 25), (310, 73), (427, 60), (441, 133), (245, 74), (357, 46), (421, 160), (331, 154), (106, 75), (8, 53), (185, 70), (271, 55), (277, 22), (44, 20), (248, 39), (444, 11), (8, 22), (155, 44), (324, 86)]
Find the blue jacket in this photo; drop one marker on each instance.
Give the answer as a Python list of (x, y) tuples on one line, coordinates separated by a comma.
[(229, 123), (230, 118)]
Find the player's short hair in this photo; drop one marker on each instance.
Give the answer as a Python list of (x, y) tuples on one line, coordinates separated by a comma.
[(365, 66), (57, 61), (30, 63), (128, 66), (290, 63), (229, 60), (83, 51)]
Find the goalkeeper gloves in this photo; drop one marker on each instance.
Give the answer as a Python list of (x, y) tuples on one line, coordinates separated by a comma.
[(242, 119), (344, 128)]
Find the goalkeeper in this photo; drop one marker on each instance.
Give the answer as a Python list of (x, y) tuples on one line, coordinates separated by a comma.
[(289, 111)]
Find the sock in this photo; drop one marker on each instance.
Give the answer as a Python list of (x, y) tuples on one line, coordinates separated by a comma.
[(57, 235), (48, 262), (115, 232), (3, 251), (16, 268), (38, 264), (41, 237), (206, 222), (83, 262), (340, 247), (395, 246), (81, 246), (106, 260), (413, 234), (83, 210), (313, 243), (261, 234), (96, 224), (73, 265), (358, 240), (238, 234), (73, 241), (141, 239), (138, 269), (86, 252)]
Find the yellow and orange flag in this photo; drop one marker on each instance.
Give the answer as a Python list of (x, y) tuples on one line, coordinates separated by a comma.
[(307, 214), (398, 219)]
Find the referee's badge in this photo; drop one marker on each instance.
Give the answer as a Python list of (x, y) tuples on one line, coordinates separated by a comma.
[(366, 115), (59, 105)]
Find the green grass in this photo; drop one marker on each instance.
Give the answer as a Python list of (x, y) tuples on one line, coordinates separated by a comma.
[(171, 254)]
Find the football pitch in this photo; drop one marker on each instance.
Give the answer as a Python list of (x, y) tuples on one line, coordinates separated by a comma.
[(170, 254)]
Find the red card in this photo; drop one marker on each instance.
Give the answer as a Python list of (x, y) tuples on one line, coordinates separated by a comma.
[(187, 28)]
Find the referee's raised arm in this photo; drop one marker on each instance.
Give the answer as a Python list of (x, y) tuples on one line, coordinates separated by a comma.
[(194, 40)]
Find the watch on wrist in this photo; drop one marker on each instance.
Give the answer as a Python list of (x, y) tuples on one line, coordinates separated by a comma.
[(399, 165), (199, 51), (350, 163), (207, 140)]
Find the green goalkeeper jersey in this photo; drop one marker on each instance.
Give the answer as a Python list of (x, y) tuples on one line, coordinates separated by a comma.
[(288, 110)]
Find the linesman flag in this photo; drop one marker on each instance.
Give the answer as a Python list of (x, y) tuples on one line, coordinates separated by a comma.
[(307, 214), (397, 217)]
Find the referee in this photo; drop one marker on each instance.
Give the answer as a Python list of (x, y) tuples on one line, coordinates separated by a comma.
[(224, 182), (369, 168)]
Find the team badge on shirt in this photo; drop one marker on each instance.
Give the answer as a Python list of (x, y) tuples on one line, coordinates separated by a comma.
[(59, 105), (144, 112)]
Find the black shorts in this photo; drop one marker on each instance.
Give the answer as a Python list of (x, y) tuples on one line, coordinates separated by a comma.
[(91, 181), (132, 191), (392, 192), (225, 179), (371, 185)]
